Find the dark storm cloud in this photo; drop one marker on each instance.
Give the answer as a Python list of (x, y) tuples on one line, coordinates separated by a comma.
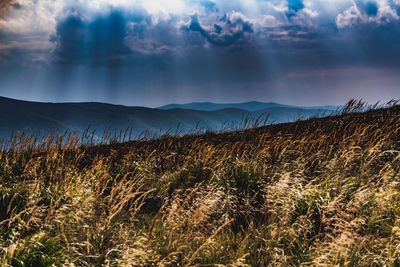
[(371, 9), (294, 6), (225, 32), (368, 7), (16, 5), (198, 48), (78, 38)]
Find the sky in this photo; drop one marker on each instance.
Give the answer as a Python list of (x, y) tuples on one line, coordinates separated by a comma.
[(156, 52)]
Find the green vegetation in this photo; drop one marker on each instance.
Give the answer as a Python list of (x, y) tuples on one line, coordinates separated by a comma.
[(316, 192)]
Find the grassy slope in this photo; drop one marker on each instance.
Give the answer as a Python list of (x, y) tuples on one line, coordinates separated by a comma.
[(316, 192)]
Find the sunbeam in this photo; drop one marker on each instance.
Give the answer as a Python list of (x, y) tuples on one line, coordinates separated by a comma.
[(152, 52)]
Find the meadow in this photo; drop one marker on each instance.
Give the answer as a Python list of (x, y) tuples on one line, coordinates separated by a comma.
[(318, 192)]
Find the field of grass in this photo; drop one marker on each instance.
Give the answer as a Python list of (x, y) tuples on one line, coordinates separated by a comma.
[(316, 192)]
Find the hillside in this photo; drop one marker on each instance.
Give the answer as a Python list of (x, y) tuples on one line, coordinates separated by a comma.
[(317, 192), (34, 117)]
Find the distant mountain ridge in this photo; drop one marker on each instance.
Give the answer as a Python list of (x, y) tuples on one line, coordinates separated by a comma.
[(249, 106), (33, 117)]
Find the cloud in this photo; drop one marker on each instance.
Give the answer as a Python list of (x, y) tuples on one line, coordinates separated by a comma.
[(198, 45), (371, 9), (99, 31), (366, 12), (5, 5), (225, 31), (80, 38), (295, 5), (209, 6)]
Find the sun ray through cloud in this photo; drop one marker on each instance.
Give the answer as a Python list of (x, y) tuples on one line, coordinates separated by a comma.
[(195, 49)]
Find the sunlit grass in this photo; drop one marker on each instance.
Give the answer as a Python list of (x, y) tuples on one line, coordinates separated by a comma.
[(316, 192)]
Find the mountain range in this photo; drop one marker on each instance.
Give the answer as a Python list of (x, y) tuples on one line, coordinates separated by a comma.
[(249, 106), (45, 118)]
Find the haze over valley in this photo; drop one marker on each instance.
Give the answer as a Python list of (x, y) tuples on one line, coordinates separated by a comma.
[(57, 118)]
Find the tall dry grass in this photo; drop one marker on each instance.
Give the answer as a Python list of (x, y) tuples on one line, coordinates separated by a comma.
[(319, 192)]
